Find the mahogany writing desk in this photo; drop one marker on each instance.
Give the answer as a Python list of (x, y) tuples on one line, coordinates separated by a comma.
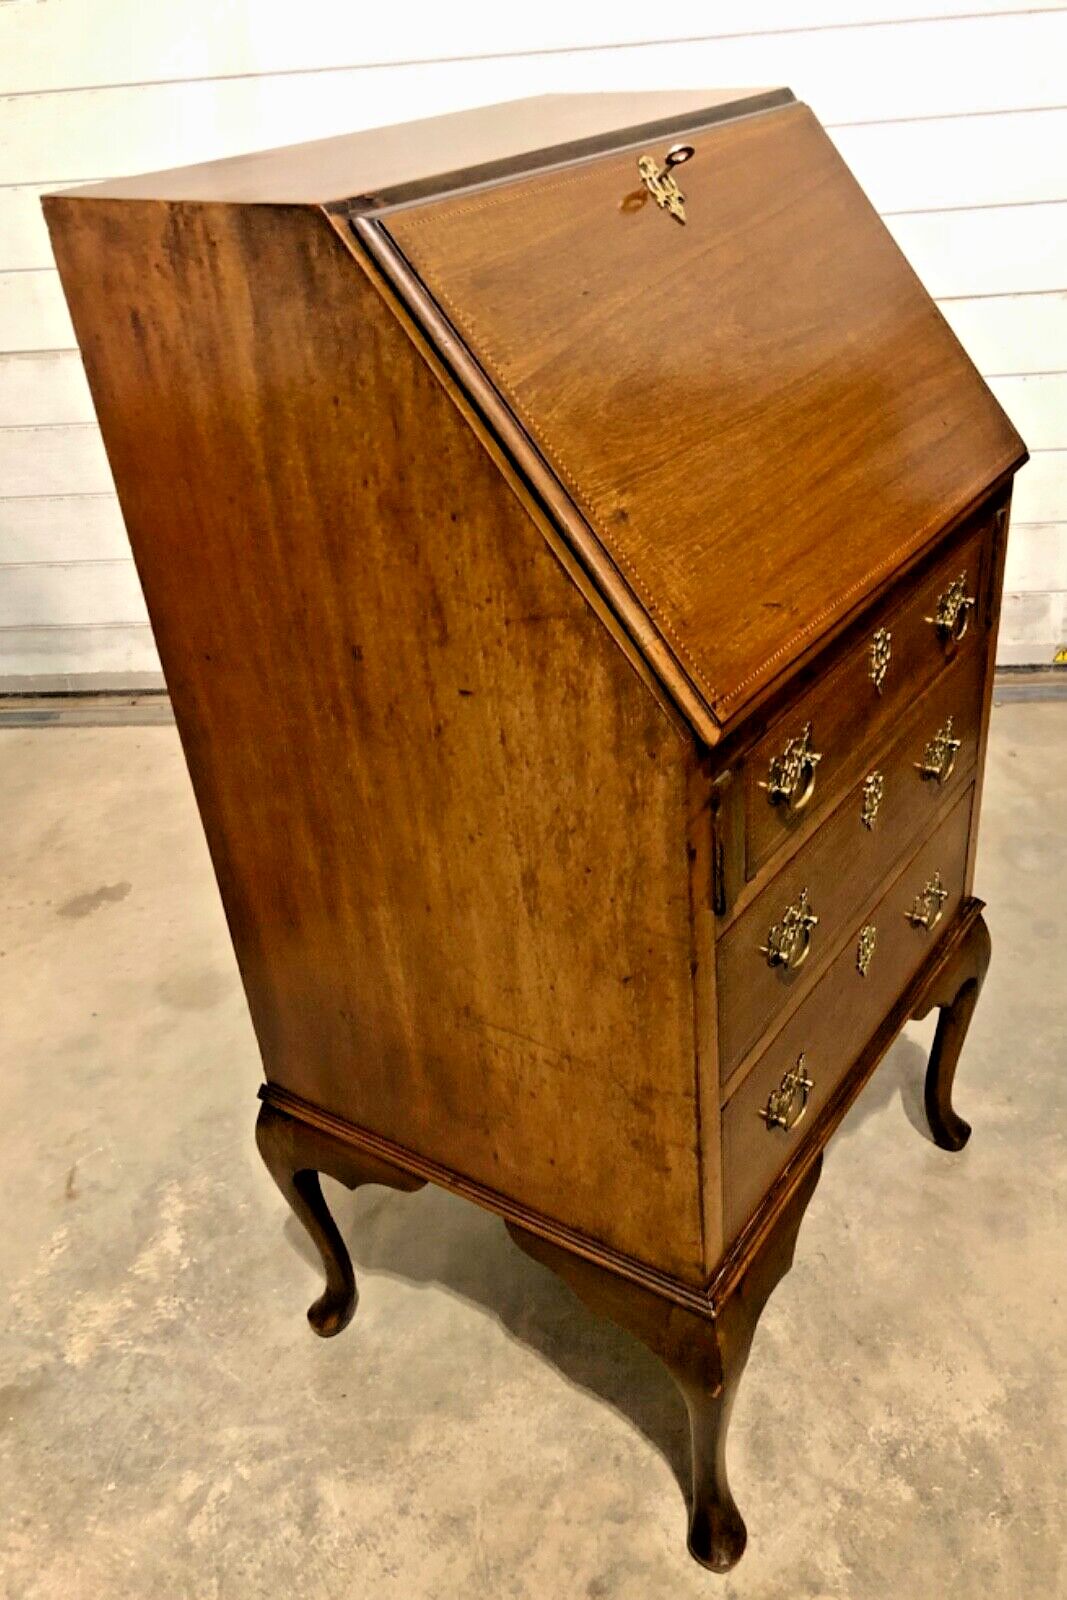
[(574, 543)]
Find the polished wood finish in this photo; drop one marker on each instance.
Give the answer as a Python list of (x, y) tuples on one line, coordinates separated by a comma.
[(718, 352), (837, 1019), (910, 1003), (847, 713), (295, 1154), (493, 541), (704, 1355), (419, 755), (755, 993)]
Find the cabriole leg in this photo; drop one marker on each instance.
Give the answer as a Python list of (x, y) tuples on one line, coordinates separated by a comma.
[(705, 1355), (955, 991), (295, 1154)]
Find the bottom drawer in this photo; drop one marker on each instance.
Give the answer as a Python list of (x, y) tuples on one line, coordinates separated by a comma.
[(823, 1038)]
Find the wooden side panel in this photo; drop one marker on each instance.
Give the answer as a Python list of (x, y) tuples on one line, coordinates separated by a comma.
[(447, 817)]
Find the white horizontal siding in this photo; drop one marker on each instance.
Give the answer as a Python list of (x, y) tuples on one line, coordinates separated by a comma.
[(62, 528), (23, 235), (995, 250), (67, 594), (946, 163), (43, 386), (33, 312), (1041, 488), (1037, 404), (1012, 333), (1033, 628), (866, 74), (122, 655), (952, 115), (57, 50), (1037, 558), (47, 461)]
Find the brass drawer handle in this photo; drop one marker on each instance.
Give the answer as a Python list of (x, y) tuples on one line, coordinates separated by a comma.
[(865, 948), (952, 613), (789, 941), (787, 1104), (791, 776), (926, 912), (939, 756), (881, 648), (873, 795)]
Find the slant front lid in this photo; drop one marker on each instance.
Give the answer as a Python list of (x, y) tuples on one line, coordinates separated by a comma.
[(759, 412)]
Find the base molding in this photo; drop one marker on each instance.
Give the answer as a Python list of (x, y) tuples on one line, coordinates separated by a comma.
[(706, 1300), (661, 1283)]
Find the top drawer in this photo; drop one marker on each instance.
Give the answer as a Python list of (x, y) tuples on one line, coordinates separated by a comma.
[(815, 750)]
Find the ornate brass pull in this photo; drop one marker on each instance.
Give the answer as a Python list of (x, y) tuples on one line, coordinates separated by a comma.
[(787, 1104), (661, 182), (881, 648), (873, 795), (789, 941), (865, 948), (926, 912), (952, 613), (791, 776), (939, 756)]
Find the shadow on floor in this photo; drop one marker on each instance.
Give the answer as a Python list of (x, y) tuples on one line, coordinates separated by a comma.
[(432, 1237), (901, 1075)]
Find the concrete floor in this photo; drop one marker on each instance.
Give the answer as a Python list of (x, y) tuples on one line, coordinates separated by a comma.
[(169, 1426)]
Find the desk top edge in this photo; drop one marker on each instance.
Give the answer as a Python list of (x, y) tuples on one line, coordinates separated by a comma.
[(376, 166)]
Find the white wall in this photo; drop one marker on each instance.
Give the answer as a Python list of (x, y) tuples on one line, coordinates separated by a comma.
[(952, 113)]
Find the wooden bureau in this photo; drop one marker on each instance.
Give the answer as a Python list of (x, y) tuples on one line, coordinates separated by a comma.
[(574, 543)]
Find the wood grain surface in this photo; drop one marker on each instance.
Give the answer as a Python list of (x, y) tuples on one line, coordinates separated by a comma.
[(835, 1023), (848, 715), (447, 817), (844, 862), (781, 416)]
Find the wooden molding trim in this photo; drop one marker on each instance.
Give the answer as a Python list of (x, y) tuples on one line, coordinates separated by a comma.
[(533, 1222), (373, 242), (545, 519), (742, 1252), (710, 724), (550, 158)]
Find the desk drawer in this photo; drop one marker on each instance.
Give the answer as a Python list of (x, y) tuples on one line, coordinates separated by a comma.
[(771, 953), (829, 1030), (814, 751)]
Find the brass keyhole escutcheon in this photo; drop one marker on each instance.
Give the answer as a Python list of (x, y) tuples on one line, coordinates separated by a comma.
[(939, 755), (952, 611), (791, 776), (661, 183), (789, 941), (787, 1104), (929, 905)]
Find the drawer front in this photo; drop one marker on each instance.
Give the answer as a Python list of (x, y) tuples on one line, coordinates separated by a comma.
[(811, 754), (837, 1019), (769, 956)]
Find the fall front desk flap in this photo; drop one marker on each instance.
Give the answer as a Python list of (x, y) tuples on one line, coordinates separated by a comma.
[(757, 414)]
